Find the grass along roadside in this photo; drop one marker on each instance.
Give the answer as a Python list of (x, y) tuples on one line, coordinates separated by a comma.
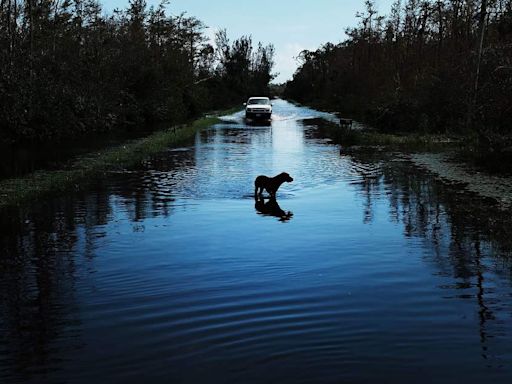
[(369, 136), (421, 141), (79, 173), (349, 137)]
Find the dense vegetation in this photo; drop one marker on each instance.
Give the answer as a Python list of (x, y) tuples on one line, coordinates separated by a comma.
[(430, 66), (67, 69)]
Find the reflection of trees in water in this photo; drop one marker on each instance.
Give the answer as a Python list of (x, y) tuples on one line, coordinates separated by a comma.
[(44, 250), (37, 274), (468, 237)]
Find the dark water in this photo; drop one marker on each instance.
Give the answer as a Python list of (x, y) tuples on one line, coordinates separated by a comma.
[(168, 273)]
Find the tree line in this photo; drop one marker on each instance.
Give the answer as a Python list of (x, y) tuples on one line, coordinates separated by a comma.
[(431, 66), (68, 69)]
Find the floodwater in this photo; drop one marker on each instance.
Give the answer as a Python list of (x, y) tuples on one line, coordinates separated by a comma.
[(369, 271)]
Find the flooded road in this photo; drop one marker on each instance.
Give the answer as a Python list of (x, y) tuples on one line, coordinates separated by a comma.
[(169, 273)]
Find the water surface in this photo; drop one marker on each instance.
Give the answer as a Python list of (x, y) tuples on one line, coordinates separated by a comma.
[(168, 273)]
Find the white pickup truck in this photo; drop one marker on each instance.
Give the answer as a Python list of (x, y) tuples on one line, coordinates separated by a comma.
[(258, 108)]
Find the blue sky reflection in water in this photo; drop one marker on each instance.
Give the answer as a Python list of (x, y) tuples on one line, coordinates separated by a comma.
[(168, 273)]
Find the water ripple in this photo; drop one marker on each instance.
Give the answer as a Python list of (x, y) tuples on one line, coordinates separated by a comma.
[(167, 273)]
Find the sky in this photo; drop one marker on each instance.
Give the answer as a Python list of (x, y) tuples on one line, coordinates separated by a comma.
[(290, 25)]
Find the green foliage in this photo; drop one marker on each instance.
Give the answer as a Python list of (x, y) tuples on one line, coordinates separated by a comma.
[(418, 69), (243, 69), (68, 69)]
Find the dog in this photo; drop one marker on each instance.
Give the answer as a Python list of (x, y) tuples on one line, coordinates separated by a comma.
[(270, 184)]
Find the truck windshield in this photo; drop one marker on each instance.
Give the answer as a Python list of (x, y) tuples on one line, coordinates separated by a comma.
[(258, 101)]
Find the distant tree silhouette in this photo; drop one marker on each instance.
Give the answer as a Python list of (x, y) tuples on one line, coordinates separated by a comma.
[(68, 69), (430, 66)]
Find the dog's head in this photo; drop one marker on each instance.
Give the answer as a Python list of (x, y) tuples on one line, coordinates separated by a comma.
[(286, 177)]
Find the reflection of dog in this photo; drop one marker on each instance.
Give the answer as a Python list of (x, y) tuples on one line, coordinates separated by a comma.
[(271, 184), (271, 208)]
